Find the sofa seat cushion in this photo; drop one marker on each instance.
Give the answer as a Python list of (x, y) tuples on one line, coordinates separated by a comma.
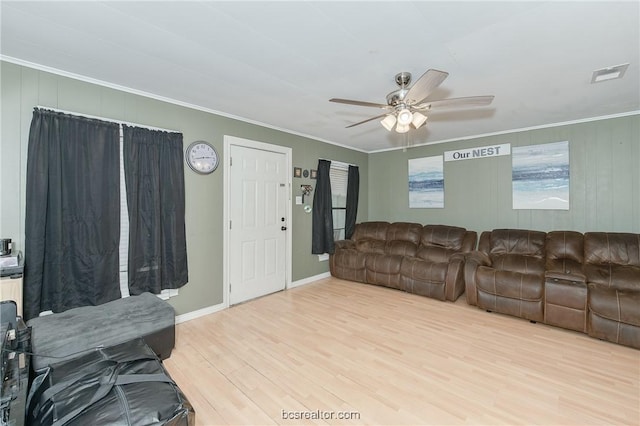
[(528, 265), (621, 277), (384, 263), (349, 258), (615, 305), (514, 285), (348, 264), (420, 270), (383, 269)]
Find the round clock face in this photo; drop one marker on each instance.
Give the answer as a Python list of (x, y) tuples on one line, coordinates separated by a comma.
[(202, 157)]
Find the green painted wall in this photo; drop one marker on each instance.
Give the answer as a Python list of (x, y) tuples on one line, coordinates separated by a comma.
[(23, 88), (604, 160)]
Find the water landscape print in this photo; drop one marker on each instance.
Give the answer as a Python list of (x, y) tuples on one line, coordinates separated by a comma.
[(540, 176), (426, 182)]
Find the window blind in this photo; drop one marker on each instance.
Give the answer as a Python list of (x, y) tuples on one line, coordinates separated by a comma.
[(339, 174)]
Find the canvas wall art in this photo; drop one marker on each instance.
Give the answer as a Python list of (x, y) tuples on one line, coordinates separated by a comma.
[(540, 176), (426, 182)]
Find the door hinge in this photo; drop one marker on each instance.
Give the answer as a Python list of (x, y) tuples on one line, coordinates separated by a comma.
[(230, 161), (230, 224)]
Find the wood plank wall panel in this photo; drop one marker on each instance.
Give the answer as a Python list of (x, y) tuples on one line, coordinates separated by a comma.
[(604, 185)]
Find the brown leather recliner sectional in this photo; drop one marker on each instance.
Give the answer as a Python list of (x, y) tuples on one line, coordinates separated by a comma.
[(585, 282), (407, 256)]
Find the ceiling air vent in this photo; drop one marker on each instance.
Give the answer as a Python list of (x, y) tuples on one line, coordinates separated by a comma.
[(609, 73)]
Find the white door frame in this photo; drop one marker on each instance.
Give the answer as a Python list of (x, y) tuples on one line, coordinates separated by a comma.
[(247, 143)]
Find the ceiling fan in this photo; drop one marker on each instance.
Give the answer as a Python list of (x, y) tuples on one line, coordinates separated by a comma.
[(408, 106)]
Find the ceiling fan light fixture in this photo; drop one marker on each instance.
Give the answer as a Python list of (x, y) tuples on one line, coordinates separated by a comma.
[(388, 122), (402, 128), (418, 119), (404, 117)]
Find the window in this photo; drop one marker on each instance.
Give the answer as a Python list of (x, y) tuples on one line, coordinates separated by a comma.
[(124, 227), (338, 174), (75, 202), (124, 233)]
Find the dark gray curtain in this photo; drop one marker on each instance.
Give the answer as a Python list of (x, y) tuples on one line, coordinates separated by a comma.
[(353, 189), (322, 219), (154, 175), (72, 221)]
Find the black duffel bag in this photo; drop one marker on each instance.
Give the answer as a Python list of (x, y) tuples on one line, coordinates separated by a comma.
[(124, 384)]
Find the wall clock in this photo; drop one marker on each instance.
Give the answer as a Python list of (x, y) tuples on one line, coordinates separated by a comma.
[(202, 157)]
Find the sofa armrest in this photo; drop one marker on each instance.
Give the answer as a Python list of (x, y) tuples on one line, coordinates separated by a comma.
[(473, 260), (469, 242), (345, 244), (478, 258), (454, 280)]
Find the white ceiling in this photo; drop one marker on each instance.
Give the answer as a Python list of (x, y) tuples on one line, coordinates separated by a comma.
[(278, 63)]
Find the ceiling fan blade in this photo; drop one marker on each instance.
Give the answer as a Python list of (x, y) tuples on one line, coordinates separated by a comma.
[(470, 101), (424, 86), (364, 121), (359, 103)]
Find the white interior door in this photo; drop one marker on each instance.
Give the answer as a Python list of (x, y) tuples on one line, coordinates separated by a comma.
[(257, 238)]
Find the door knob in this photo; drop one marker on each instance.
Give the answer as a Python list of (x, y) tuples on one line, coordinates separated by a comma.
[(283, 228)]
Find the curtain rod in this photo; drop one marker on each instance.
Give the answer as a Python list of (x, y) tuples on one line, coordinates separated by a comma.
[(107, 119)]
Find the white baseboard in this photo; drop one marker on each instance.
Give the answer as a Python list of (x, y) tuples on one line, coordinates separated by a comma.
[(199, 313), (220, 306), (309, 280)]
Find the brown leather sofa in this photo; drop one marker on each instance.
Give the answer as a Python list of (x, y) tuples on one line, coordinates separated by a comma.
[(585, 282), (406, 256)]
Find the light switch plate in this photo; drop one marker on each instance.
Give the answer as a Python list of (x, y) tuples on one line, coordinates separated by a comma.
[(298, 200)]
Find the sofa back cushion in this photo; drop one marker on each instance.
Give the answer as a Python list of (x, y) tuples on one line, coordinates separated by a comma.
[(401, 248), (371, 246), (443, 236), (404, 231), (517, 242), (564, 252), (616, 248), (370, 231), (612, 260), (435, 254), (522, 264)]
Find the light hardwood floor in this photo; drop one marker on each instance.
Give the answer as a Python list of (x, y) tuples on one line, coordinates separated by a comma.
[(380, 356)]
